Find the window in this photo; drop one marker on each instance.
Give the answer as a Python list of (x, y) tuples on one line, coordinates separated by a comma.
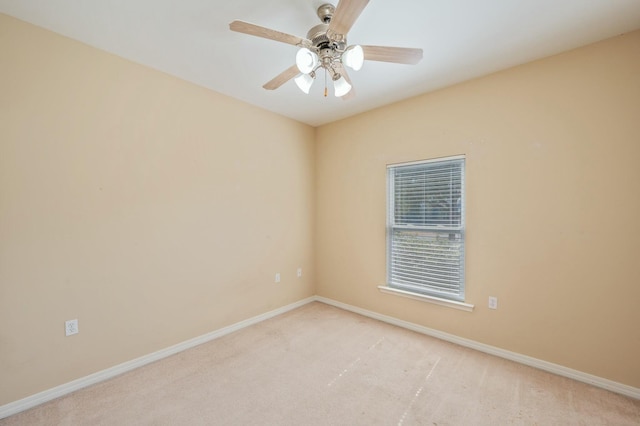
[(425, 228)]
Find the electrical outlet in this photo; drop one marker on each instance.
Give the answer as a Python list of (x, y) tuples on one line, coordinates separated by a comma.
[(71, 327), (299, 272), (278, 277), (493, 302)]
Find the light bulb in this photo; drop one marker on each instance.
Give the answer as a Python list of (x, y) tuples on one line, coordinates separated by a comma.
[(354, 57), (304, 82), (306, 60), (342, 87)]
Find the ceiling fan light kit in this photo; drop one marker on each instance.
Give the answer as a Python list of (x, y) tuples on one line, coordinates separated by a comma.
[(326, 47), (304, 82), (306, 60), (341, 86), (353, 57)]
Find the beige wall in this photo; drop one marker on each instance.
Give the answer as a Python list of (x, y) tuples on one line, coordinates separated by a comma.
[(553, 206), (155, 211), (149, 208)]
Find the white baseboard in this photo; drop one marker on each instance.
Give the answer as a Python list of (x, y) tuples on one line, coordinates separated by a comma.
[(64, 389), (502, 353)]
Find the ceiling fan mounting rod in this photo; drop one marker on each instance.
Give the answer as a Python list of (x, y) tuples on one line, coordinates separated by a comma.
[(325, 12)]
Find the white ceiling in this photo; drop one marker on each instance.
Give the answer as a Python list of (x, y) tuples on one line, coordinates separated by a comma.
[(461, 39)]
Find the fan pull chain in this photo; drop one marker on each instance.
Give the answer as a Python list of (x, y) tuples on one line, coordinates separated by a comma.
[(326, 91)]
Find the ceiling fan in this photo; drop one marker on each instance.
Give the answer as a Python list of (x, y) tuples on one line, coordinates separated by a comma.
[(326, 47)]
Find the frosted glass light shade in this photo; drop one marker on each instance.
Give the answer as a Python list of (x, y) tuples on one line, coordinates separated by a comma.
[(341, 86), (306, 60), (353, 57), (304, 82)]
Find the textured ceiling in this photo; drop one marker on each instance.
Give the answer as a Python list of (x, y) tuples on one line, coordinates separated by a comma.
[(461, 39)]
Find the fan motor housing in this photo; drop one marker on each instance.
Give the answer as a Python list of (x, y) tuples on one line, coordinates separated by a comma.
[(320, 39), (318, 35)]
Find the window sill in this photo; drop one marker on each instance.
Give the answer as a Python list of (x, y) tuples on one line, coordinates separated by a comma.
[(429, 299)]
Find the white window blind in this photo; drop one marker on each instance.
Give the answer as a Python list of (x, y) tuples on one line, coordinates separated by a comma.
[(425, 232)]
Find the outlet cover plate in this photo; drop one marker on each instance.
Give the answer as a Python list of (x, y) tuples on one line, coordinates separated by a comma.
[(71, 327), (493, 302)]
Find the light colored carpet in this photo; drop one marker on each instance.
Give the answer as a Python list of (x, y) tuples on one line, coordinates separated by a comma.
[(319, 365)]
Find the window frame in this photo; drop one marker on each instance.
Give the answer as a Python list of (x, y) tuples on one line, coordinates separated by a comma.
[(415, 291)]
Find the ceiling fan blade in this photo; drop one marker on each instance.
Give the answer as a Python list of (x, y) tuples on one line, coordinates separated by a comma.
[(282, 78), (398, 55), (345, 15), (258, 31)]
